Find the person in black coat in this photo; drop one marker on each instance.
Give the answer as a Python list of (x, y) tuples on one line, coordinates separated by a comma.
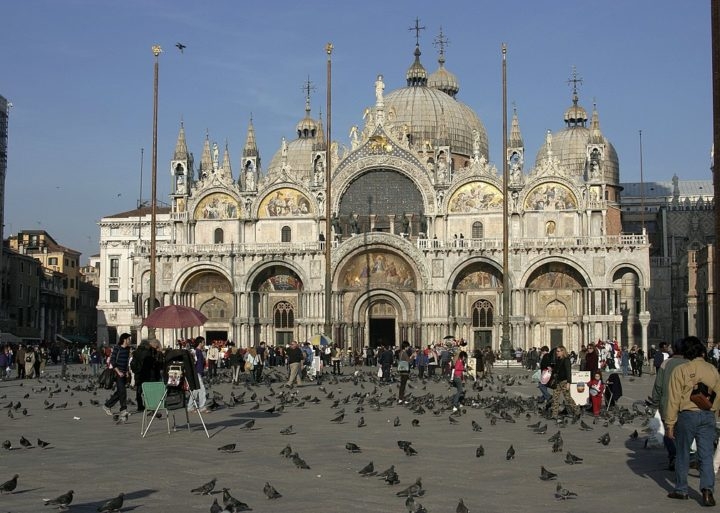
[(146, 365)]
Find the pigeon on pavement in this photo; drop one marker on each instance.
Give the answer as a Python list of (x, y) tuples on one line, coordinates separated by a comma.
[(546, 475), (206, 488), (9, 486), (113, 504), (270, 491), (61, 501)]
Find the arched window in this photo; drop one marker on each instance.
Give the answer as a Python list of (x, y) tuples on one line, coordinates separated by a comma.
[(283, 315), (482, 314), (286, 234), (219, 236), (478, 232)]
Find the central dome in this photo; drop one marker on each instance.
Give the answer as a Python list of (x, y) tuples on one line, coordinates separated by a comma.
[(433, 115)]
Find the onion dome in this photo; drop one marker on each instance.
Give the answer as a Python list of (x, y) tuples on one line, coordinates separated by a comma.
[(442, 79), (416, 74)]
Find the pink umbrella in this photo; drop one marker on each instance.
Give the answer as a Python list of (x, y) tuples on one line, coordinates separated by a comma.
[(175, 316)]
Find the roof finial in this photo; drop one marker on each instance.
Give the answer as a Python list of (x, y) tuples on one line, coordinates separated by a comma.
[(308, 87), (417, 28), (575, 80), (441, 42)]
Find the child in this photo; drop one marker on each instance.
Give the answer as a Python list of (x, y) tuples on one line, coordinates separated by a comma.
[(597, 388)]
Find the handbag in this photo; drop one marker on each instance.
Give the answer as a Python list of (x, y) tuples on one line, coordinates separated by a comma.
[(545, 376), (106, 379), (702, 397), (403, 366)]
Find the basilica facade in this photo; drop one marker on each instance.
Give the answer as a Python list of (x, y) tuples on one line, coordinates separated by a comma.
[(416, 239)]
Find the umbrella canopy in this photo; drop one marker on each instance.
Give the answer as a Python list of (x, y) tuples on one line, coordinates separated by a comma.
[(448, 337), (320, 340), (175, 316)]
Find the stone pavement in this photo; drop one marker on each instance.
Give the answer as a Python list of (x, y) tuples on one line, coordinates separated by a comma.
[(97, 458)]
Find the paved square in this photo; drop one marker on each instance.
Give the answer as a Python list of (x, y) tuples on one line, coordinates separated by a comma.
[(97, 458)]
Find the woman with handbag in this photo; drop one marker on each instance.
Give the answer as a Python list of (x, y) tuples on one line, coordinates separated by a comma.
[(546, 365), (560, 383)]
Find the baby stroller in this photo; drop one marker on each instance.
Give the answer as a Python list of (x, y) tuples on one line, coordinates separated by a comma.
[(613, 390)]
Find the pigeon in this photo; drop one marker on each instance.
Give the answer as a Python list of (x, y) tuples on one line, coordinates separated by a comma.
[(555, 437), (338, 419), (287, 431), (61, 406), (453, 420), (10, 414), (534, 426), (605, 439), (571, 459), (42, 443), (541, 430), (25, 442), (510, 454), (113, 504), (352, 447), (181, 47), (367, 470), (287, 451), (206, 488), (634, 435), (361, 422), (585, 427), (270, 491), (62, 501), (392, 478), (7, 445), (227, 448), (9, 486), (461, 507), (546, 475), (387, 472), (415, 423), (410, 450), (410, 504), (299, 462), (480, 451), (563, 493), (215, 507), (415, 489), (403, 443), (232, 504), (476, 426), (249, 424), (557, 445)]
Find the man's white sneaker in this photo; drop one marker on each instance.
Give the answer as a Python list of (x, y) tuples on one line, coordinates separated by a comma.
[(107, 411)]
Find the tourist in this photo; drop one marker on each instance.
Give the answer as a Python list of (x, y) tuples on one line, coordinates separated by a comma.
[(562, 377), (404, 361), (118, 361), (295, 360), (686, 422), (458, 378)]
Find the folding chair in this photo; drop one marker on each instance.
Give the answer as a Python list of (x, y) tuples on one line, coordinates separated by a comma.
[(153, 393)]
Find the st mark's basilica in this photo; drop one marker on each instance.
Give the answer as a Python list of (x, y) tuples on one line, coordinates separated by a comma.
[(417, 244)]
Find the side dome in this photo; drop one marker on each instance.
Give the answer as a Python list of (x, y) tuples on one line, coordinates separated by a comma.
[(570, 146), (298, 153)]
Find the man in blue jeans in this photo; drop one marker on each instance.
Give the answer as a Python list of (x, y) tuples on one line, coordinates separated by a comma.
[(686, 421)]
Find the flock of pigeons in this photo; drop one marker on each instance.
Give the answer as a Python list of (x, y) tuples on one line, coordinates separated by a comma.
[(359, 394)]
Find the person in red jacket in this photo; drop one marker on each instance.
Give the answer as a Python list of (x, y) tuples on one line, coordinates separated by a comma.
[(597, 389)]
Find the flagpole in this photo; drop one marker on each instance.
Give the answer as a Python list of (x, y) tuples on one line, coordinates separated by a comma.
[(505, 346), (153, 217), (328, 188)]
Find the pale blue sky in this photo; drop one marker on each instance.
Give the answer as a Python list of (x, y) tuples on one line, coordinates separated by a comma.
[(79, 74)]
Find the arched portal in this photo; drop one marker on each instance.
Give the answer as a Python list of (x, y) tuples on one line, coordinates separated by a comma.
[(556, 303), (211, 293), (275, 305)]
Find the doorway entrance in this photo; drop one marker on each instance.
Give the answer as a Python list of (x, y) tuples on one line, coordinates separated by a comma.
[(483, 339), (213, 335), (382, 332), (556, 338)]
